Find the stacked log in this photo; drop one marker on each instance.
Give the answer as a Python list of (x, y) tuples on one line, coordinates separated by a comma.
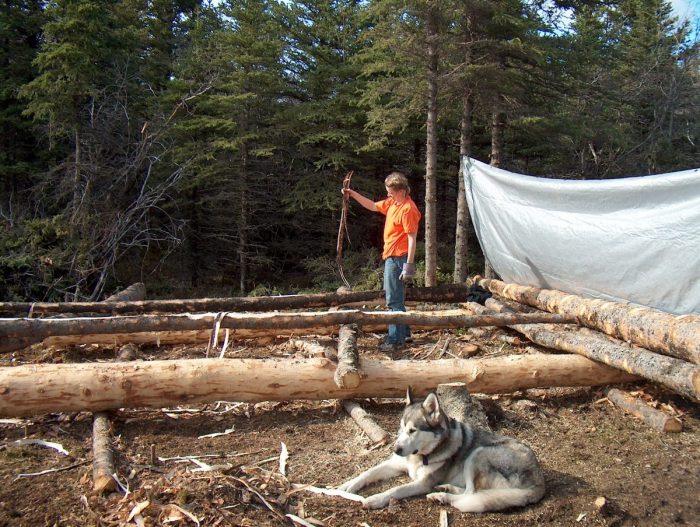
[(677, 336), (677, 375)]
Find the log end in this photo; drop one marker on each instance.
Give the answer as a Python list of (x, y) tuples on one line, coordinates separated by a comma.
[(348, 379), (104, 483)]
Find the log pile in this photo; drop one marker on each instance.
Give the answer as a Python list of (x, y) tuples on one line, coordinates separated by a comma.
[(593, 359)]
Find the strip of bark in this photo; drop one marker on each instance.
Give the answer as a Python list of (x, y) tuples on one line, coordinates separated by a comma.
[(369, 426), (347, 373), (680, 376), (44, 388), (45, 327), (677, 336), (654, 418)]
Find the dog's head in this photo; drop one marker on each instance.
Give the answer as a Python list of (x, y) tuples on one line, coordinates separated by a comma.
[(423, 426)]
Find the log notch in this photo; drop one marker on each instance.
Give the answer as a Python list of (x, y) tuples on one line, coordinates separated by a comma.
[(442, 293), (102, 455), (43, 388), (45, 327), (376, 433), (677, 336), (455, 400), (656, 419), (680, 376), (347, 373)]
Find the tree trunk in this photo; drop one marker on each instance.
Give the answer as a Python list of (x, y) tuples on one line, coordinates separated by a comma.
[(45, 327), (39, 389), (656, 419), (461, 270), (680, 376), (678, 336), (431, 151), (458, 404), (498, 127), (441, 293), (347, 373)]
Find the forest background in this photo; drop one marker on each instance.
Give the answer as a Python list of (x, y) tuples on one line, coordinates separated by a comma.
[(200, 147)]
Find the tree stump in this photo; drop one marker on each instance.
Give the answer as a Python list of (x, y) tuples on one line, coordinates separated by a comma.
[(458, 404)]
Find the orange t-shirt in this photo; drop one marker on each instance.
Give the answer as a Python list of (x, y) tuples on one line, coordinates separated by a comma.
[(401, 220)]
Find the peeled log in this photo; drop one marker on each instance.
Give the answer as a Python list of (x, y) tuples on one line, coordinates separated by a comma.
[(678, 336), (443, 293), (44, 388), (45, 327), (103, 458), (680, 376), (656, 419), (369, 426), (347, 373)]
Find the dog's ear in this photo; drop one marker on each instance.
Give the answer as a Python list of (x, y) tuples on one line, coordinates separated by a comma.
[(409, 396), (431, 405)]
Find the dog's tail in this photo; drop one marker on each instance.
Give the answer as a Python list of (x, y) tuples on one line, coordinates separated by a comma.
[(496, 499)]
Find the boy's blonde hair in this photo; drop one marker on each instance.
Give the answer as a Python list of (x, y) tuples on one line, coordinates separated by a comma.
[(397, 181)]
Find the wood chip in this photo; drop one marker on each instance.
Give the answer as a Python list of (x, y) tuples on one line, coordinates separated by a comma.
[(284, 455), (48, 444)]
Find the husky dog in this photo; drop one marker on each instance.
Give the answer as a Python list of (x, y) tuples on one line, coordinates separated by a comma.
[(474, 470)]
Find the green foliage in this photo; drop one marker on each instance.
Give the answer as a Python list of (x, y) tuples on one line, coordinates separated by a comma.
[(34, 260)]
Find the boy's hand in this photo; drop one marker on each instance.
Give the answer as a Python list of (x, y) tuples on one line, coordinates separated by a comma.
[(408, 273)]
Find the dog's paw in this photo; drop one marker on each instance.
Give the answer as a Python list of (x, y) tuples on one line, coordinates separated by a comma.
[(451, 489), (350, 486), (440, 497), (376, 502)]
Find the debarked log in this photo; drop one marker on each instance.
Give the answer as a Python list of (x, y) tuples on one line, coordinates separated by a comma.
[(45, 327), (442, 293), (347, 373), (680, 376), (44, 388), (678, 336)]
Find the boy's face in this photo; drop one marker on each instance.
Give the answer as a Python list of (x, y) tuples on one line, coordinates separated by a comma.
[(397, 194)]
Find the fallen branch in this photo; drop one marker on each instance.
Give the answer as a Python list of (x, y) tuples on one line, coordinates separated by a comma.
[(656, 419)]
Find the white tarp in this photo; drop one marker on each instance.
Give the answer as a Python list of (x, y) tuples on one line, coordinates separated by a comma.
[(631, 240)]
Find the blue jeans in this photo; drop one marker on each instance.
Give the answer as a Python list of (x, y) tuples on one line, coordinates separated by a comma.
[(395, 297)]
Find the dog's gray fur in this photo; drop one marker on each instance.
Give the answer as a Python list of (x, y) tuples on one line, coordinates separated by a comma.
[(474, 470)]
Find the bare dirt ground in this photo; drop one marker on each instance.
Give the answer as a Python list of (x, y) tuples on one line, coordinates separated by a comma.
[(172, 475)]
